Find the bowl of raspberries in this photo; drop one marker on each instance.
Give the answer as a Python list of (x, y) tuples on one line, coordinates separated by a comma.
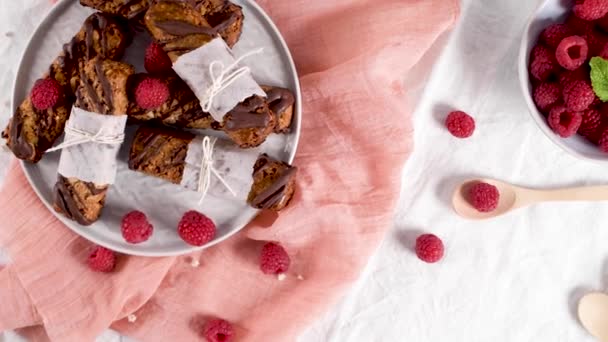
[(563, 69)]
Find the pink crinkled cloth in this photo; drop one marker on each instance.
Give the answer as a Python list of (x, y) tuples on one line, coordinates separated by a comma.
[(352, 56)]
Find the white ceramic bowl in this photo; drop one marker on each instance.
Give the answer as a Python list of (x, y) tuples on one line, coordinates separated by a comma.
[(551, 11)]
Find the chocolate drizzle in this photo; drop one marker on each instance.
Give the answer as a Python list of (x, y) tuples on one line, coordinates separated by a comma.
[(68, 60), (221, 21), (96, 22), (275, 193), (279, 100), (182, 28), (107, 87), (66, 203), (91, 100), (149, 142), (85, 84), (244, 115), (18, 144)]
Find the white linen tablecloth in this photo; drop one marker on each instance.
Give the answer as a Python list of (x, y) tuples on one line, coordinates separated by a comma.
[(516, 278)]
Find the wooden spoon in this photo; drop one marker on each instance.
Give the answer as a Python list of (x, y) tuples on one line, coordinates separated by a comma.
[(593, 314), (513, 197)]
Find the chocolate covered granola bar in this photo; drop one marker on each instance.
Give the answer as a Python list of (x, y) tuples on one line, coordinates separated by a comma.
[(32, 131), (162, 152), (103, 90), (247, 125)]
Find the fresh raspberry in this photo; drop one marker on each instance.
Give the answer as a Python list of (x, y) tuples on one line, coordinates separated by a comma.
[(460, 124), (578, 95), (554, 34), (218, 330), (274, 259), (151, 93), (596, 41), (196, 229), (603, 109), (484, 197), (603, 141), (596, 102), (590, 9), (543, 63), (580, 74), (604, 52), (564, 122), (429, 248), (45, 93), (546, 95), (572, 52), (603, 23), (591, 124), (136, 228), (595, 138), (156, 60), (102, 260), (578, 25)]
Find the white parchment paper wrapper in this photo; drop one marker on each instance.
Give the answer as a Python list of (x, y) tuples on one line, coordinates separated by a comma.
[(90, 161), (193, 68), (235, 165)]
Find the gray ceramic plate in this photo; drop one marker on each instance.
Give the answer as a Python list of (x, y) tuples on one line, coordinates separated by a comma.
[(164, 203)]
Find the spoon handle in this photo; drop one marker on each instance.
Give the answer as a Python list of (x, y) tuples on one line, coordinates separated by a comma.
[(591, 194)]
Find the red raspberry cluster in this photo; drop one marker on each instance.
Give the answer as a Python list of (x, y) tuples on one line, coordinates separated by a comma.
[(560, 73)]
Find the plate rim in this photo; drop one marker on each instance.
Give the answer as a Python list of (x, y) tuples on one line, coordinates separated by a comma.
[(294, 140)]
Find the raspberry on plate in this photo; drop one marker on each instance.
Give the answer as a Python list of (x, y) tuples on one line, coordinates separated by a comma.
[(135, 227), (156, 60), (102, 260), (590, 9), (151, 93), (274, 259), (196, 229), (546, 95), (45, 94), (218, 330), (460, 124), (578, 95), (564, 122), (484, 197), (429, 248)]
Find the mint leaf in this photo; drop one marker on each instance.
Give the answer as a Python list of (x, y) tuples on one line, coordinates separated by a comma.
[(599, 77)]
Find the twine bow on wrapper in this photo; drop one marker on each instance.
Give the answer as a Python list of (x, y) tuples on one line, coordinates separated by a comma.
[(207, 169), (90, 147), (75, 136), (227, 76)]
